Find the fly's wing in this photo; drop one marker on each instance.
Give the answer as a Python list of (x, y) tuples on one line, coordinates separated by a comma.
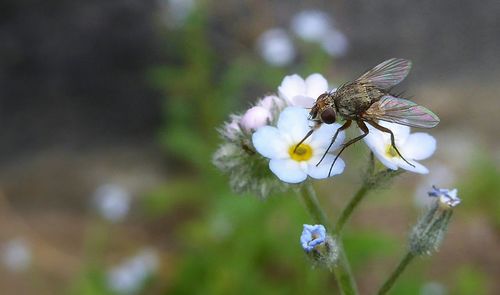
[(387, 74), (401, 111)]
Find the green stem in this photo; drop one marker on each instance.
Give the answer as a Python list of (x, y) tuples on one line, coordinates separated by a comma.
[(396, 273), (342, 269), (353, 203)]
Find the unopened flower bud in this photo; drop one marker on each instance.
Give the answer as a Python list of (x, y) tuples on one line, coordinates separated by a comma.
[(319, 246), (429, 232), (255, 117)]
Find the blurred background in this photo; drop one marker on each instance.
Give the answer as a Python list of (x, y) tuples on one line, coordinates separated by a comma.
[(108, 117)]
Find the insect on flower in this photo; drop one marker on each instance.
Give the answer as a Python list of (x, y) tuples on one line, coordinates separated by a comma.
[(368, 99)]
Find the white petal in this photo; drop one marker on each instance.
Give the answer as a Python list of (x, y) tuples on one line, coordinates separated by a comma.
[(419, 146), (321, 171), (419, 168), (322, 137), (388, 162), (376, 142), (269, 142), (287, 170), (302, 101), (291, 86), (401, 132), (316, 85), (293, 123)]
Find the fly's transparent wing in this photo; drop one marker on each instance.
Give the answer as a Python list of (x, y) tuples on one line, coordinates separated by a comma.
[(387, 74), (401, 111)]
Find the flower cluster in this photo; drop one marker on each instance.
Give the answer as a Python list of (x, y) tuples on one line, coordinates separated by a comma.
[(268, 134)]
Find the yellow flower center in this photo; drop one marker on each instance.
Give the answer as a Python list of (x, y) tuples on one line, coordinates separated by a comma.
[(390, 152), (303, 152)]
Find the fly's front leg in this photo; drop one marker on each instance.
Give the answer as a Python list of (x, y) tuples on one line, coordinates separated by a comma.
[(363, 128), (343, 127)]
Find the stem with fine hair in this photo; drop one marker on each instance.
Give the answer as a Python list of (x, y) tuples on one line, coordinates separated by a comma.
[(342, 269), (396, 273)]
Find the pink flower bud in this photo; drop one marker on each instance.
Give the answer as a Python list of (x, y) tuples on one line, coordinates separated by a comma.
[(255, 117), (270, 101)]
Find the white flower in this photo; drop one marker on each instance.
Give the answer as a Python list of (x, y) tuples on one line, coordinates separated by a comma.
[(129, 276), (112, 201), (415, 146), (299, 92), (293, 166), (276, 47), (16, 255), (311, 25)]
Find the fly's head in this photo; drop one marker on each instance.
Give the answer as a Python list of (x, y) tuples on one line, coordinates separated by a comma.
[(323, 110)]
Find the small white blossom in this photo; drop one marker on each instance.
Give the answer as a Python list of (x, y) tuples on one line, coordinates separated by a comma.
[(311, 25), (112, 201), (413, 147), (294, 165), (276, 47), (129, 276), (299, 92), (16, 255)]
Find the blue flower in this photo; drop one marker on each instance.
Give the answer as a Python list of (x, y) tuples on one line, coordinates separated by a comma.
[(446, 197), (312, 236)]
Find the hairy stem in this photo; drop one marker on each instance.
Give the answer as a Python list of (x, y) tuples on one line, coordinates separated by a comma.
[(353, 203), (342, 269), (396, 273)]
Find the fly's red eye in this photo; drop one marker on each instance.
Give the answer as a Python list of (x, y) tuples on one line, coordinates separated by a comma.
[(328, 116)]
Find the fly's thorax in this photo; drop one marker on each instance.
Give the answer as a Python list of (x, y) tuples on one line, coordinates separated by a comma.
[(355, 98)]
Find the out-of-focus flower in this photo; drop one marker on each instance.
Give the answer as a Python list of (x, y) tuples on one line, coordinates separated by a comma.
[(335, 43), (415, 146), (16, 255), (311, 25), (448, 198), (129, 276), (255, 117), (299, 92), (312, 236), (112, 202), (433, 288), (276, 47), (178, 11), (293, 164)]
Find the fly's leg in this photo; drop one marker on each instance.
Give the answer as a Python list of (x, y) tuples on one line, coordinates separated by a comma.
[(343, 127), (363, 128), (316, 126), (393, 142)]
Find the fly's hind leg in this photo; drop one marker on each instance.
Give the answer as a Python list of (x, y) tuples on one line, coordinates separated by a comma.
[(343, 127), (363, 128), (393, 142)]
